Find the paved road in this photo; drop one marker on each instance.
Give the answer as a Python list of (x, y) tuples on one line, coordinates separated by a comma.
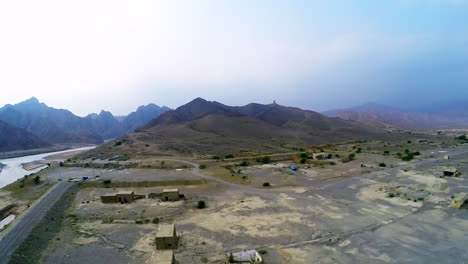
[(26, 223)]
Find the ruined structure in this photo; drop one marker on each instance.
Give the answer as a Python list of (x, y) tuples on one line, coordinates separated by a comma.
[(166, 238), (449, 172), (458, 201)]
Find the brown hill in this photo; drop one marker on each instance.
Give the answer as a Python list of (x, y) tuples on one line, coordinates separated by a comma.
[(204, 127)]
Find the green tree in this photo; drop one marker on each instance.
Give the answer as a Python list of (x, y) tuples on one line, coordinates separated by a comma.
[(201, 204)]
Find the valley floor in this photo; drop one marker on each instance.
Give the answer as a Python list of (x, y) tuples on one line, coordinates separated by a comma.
[(345, 213)]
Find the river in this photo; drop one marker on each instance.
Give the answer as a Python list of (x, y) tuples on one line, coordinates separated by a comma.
[(13, 169)]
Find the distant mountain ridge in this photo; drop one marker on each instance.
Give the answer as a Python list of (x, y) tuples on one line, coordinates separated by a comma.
[(59, 126), (450, 116)]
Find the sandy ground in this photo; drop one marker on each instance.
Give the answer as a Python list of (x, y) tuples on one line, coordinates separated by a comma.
[(322, 215)]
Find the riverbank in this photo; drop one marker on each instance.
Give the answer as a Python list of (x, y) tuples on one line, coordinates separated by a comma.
[(16, 167), (22, 153)]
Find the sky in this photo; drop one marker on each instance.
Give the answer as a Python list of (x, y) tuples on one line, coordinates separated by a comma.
[(89, 55)]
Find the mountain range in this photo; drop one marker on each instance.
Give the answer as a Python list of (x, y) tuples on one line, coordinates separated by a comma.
[(59, 126), (446, 117), (23, 139), (204, 127)]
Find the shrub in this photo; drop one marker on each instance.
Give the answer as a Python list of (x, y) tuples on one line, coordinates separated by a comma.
[(216, 157), (382, 164), (118, 143), (462, 137), (107, 181), (304, 155), (351, 156), (139, 222), (264, 160), (201, 204), (230, 156), (266, 184), (155, 220), (202, 167), (262, 251), (359, 150), (386, 152), (391, 195), (303, 160), (244, 163)]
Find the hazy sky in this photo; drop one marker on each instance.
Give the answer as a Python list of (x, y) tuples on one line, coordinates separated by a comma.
[(116, 55)]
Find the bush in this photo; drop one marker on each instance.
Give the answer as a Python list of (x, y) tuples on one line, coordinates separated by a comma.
[(230, 156), (155, 220), (266, 184), (386, 152), (118, 143), (216, 157), (303, 160), (382, 164), (391, 195), (107, 182), (351, 156), (462, 137), (139, 222), (244, 163), (201, 204), (202, 167), (304, 155), (359, 150), (264, 160), (262, 251)]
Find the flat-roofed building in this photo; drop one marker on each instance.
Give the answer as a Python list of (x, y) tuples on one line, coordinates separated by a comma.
[(171, 195), (121, 197), (166, 238)]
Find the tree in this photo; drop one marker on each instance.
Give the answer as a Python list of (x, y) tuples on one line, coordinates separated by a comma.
[(201, 204)]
